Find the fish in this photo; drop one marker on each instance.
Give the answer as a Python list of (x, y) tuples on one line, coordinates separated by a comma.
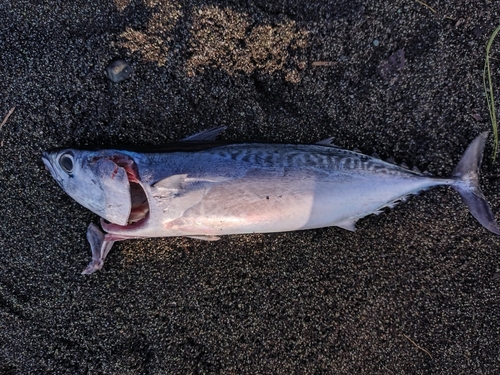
[(202, 188)]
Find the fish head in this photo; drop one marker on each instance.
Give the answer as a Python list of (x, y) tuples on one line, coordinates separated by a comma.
[(98, 180)]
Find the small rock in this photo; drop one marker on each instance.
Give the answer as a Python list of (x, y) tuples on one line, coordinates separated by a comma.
[(118, 71), (376, 42), (477, 117), (478, 32)]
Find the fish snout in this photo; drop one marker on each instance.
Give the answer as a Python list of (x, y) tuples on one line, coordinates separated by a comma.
[(46, 160)]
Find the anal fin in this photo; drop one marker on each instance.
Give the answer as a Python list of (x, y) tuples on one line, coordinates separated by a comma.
[(349, 224)]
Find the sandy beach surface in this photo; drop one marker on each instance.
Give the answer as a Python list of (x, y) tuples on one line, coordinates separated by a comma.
[(415, 290)]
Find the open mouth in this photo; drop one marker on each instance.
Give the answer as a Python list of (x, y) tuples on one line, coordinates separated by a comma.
[(139, 201)]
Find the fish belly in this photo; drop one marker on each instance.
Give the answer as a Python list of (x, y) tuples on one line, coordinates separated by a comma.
[(284, 203)]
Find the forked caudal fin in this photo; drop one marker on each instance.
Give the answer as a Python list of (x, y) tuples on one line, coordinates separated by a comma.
[(467, 174)]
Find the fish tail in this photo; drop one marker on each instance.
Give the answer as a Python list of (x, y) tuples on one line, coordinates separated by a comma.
[(466, 174)]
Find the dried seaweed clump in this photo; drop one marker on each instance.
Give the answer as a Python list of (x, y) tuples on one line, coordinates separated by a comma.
[(225, 39), (152, 44)]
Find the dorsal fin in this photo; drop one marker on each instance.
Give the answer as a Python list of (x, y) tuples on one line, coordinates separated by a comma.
[(205, 135), (326, 142), (375, 155)]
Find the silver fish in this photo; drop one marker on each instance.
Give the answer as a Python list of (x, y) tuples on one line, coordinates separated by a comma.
[(201, 188)]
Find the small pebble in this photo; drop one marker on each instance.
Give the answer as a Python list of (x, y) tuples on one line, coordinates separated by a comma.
[(376, 42), (118, 71)]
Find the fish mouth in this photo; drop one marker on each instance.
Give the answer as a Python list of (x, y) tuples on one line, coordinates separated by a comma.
[(45, 157), (46, 161), (139, 202), (48, 166)]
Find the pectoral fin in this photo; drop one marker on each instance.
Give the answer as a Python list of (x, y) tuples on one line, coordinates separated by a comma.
[(174, 182)]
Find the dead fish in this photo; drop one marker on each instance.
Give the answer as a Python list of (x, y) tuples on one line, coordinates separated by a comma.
[(201, 188)]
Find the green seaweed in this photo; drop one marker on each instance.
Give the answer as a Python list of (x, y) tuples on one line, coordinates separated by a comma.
[(488, 90)]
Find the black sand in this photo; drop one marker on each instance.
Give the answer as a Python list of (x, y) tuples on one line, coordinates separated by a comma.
[(414, 291)]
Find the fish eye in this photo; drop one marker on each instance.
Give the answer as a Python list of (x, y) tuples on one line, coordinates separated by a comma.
[(66, 163)]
